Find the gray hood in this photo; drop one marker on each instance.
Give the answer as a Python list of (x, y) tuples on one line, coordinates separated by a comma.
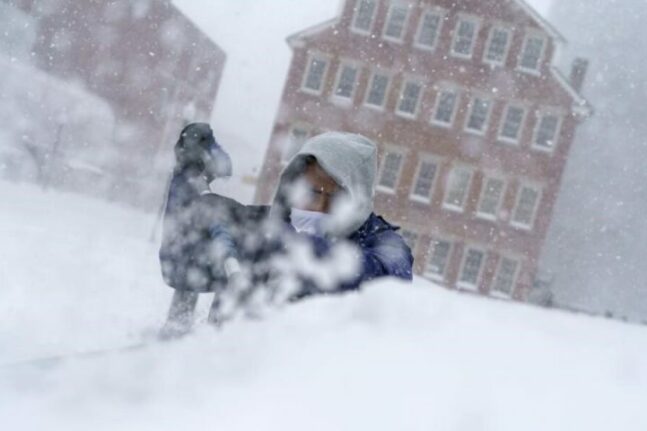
[(351, 160)]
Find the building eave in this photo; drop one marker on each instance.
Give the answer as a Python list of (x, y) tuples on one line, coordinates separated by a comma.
[(294, 39), (581, 107), (547, 26)]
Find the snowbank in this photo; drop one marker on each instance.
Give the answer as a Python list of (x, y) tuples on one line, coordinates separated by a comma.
[(77, 274)]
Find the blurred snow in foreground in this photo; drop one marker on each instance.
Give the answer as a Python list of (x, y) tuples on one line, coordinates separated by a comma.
[(78, 275)]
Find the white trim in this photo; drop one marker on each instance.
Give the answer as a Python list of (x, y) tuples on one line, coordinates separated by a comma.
[(440, 90), (540, 114), (425, 158), (430, 10), (540, 20), (486, 123), (296, 40), (340, 67), (438, 278), (477, 28), (405, 24), (491, 176), (356, 13), (387, 91), (318, 56), (581, 105), (465, 285), (531, 33), (540, 194), (448, 205), (488, 43), (390, 149), (406, 80), (522, 126), (515, 277)]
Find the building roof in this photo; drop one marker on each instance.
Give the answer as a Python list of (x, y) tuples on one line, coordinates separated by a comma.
[(547, 26)]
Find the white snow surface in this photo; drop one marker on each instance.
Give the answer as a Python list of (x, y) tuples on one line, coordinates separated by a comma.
[(78, 275)]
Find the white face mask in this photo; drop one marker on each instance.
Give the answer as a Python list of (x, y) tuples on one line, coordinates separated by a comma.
[(310, 222)]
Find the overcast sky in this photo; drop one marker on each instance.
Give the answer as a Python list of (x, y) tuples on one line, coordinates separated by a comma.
[(253, 34)]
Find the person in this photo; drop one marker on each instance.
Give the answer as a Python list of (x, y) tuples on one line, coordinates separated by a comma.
[(324, 201)]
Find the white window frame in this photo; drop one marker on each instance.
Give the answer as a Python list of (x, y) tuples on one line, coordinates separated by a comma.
[(387, 91), (405, 24), (387, 150), (531, 33), (477, 29), (416, 234), (515, 278), (355, 15), (297, 125), (508, 30), (406, 80), (540, 114), (522, 127), (486, 123), (426, 158), (315, 56), (494, 176), (440, 90), (349, 63), (450, 206), (540, 195), (479, 278), (439, 278), (437, 11)]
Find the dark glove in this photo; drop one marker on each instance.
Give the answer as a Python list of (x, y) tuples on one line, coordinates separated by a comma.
[(198, 153)]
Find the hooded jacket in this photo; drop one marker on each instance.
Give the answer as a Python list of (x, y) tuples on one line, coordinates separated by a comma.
[(351, 160)]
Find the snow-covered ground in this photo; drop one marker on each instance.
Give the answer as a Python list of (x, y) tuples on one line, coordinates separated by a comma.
[(79, 275)]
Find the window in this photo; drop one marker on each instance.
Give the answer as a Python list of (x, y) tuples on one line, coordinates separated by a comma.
[(546, 132), (464, 37), (410, 238), (429, 30), (497, 48), (409, 98), (378, 90), (346, 80), (479, 114), (315, 74), (439, 254), (533, 49), (512, 124), (526, 208), (298, 136), (446, 103), (473, 262), (491, 196), (396, 22), (364, 14), (390, 172), (458, 186), (425, 177), (506, 276)]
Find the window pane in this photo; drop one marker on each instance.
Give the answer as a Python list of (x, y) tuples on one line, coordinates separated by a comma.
[(364, 17), (498, 45), (532, 53), (377, 93), (438, 258), (346, 84), (464, 39), (314, 80), (409, 98), (390, 170), (446, 107), (397, 20), (410, 238), (491, 196), (426, 176), (479, 114), (547, 131), (458, 187), (505, 277), (512, 123), (429, 29), (297, 138), (525, 211), (472, 267)]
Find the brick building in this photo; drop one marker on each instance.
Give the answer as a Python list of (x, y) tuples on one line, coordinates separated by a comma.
[(473, 122), (149, 62)]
